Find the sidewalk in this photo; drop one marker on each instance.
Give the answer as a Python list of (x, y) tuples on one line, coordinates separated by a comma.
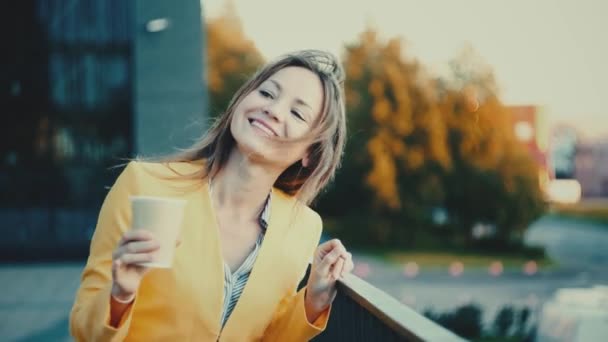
[(36, 299)]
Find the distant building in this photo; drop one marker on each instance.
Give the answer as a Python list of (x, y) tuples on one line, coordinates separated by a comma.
[(531, 130), (563, 144), (85, 84), (591, 167), (554, 151)]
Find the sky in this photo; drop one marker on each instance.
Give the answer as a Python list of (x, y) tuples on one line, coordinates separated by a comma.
[(551, 53)]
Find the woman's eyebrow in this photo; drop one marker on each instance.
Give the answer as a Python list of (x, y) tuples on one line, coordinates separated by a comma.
[(276, 84), (298, 100)]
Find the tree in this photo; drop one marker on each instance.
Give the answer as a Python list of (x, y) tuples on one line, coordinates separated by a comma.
[(405, 128), (232, 58), (417, 144), (493, 179), (397, 138)]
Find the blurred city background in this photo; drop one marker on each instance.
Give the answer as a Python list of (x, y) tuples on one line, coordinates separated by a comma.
[(474, 187)]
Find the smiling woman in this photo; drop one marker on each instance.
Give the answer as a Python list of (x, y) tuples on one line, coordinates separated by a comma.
[(247, 235)]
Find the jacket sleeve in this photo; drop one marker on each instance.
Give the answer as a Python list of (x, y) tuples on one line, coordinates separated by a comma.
[(290, 322), (90, 315)]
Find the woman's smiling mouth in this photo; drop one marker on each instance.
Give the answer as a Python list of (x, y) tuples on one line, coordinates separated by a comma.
[(264, 127)]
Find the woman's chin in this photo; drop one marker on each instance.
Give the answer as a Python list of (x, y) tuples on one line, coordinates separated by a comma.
[(264, 151), (254, 152)]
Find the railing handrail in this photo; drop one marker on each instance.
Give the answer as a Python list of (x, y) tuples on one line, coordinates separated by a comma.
[(400, 318)]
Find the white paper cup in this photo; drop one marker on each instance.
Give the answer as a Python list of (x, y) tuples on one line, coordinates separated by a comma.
[(162, 216)]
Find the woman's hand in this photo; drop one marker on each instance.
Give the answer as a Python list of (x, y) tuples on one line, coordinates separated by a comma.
[(135, 247), (331, 261)]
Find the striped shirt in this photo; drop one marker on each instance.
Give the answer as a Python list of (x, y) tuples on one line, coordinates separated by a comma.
[(234, 282)]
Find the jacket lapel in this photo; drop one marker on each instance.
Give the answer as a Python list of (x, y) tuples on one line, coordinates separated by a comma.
[(209, 261), (261, 293)]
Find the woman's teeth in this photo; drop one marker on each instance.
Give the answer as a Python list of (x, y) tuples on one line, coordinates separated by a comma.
[(262, 127)]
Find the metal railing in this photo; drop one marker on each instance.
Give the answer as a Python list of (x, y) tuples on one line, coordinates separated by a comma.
[(362, 312)]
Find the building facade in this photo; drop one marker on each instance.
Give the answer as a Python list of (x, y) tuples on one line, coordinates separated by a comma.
[(84, 86)]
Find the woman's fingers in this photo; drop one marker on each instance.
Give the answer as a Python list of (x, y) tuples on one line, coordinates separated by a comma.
[(331, 262), (336, 261), (136, 235), (130, 259), (142, 246), (331, 258), (136, 247), (327, 247), (338, 266), (348, 264)]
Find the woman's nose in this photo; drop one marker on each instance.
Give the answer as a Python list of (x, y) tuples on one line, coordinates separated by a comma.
[(274, 112)]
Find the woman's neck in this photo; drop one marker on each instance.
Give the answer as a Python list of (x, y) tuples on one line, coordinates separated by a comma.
[(241, 187)]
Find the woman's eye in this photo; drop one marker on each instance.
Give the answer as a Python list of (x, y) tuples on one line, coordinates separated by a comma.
[(298, 115), (266, 94)]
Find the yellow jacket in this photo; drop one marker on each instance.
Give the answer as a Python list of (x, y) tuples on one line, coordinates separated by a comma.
[(184, 303)]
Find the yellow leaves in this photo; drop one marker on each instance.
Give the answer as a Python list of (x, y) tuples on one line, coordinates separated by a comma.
[(486, 136), (414, 157), (354, 72), (376, 88), (231, 58), (397, 147), (214, 81), (227, 44), (381, 110), (368, 38), (398, 109), (434, 126), (471, 99), (393, 48), (402, 123), (394, 74), (229, 65), (383, 176)]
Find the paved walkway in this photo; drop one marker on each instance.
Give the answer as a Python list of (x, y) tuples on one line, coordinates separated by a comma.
[(35, 301)]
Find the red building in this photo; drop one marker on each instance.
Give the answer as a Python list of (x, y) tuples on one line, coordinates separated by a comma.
[(530, 128)]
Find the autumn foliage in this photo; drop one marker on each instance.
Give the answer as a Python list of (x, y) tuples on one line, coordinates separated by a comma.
[(406, 131), (421, 145), (232, 59)]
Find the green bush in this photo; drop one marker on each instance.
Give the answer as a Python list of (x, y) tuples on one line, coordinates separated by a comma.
[(504, 321), (509, 324), (465, 321)]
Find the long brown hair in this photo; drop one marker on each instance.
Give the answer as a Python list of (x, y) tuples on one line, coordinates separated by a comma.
[(328, 133)]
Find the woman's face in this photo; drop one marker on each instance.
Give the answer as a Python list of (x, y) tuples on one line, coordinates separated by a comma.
[(286, 105)]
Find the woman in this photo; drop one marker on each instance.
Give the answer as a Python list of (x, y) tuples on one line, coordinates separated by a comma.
[(248, 234)]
